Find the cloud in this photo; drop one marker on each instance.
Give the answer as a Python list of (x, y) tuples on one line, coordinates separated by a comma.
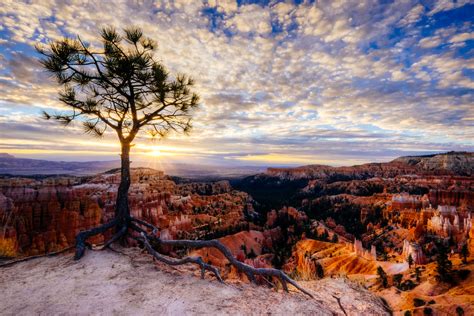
[(446, 5), (251, 19), (413, 15), (462, 37), (293, 80)]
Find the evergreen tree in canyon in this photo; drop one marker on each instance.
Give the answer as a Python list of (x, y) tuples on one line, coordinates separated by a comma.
[(120, 85), (410, 260), (382, 277), (418, 274), (464, 253), (443, 264)]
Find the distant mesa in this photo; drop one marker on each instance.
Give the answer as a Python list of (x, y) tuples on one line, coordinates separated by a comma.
[(11, 165), (5, 155), (459, 163), (450, 163)]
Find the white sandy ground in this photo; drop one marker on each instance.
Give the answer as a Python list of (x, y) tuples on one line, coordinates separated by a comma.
[(109, 283)]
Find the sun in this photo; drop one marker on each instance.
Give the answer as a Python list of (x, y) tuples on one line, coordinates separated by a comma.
[(155, 151)]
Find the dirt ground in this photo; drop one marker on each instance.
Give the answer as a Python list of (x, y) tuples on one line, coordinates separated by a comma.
[(109, 283)]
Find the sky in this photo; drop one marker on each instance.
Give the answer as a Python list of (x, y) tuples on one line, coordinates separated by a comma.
[(281, 82)]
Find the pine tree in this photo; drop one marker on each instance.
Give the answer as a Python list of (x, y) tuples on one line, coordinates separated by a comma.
[(325, 235), (418, 274), (397, 279), (319, 270), (410, 260), (443, 264), (382, 276), (464, 253), (121, 86)]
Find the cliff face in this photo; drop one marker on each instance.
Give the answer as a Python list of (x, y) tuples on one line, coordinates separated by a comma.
[(39, 216), (456, 196), (461, 164), (360, 172)]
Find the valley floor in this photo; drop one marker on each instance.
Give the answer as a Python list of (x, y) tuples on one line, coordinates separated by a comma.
[(123, 284)]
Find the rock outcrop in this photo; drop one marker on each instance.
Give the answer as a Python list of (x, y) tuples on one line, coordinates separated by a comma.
[(459, 163), (452, 163), (133, 284), (45, 215)]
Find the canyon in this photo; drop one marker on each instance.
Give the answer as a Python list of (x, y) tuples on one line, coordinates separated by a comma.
[(317, 223)]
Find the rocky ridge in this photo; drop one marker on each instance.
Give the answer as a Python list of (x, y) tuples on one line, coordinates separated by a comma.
[(452, 163)]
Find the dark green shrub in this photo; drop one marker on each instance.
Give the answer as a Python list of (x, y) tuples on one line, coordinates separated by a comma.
[(418, 302), (463, 274), (407, 285)]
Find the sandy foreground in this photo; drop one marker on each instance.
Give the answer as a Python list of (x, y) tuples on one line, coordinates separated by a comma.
[(109, 283)]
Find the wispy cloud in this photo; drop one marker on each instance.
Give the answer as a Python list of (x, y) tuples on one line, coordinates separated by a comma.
[(335, 80)]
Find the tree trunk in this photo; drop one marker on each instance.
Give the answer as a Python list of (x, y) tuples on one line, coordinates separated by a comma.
[(122, 209), (123, 221)]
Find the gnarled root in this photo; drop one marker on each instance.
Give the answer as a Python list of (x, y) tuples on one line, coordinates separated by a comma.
[(116, 237), (250, 271), (83, 235), (174, 262), (146, 238)]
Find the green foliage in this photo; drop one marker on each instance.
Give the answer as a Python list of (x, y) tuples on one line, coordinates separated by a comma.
[(120, 85), (459, 311), (407, 313), (319, 270), (463, 274), (271, 192), (397, 279), (418, 274), (443, 264), (382, 276), (427, 311), (243, 247), (335, 238), (410, 260), (343, 212), (417, 302), (324, 236), (251, 254), (464, 253), (407, 285)]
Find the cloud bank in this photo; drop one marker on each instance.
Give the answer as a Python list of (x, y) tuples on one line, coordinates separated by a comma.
[(335, 82)]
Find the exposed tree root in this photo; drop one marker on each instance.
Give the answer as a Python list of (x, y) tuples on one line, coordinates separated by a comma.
[(147, 239), (250, 271), (338, 299), (175, 262), (115, 237), (146, 224), (82, 237)]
